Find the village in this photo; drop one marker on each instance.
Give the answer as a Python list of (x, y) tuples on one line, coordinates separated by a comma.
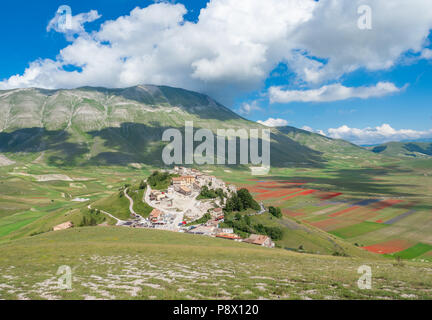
[(178, 209)]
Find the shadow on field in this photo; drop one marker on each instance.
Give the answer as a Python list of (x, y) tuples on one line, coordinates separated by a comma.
[(133, 143), (358, 181)]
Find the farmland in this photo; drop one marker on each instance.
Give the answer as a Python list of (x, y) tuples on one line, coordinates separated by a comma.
[(370, 216), (366, 207)]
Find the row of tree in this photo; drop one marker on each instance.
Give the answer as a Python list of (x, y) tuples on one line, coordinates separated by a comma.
[(240, 201)]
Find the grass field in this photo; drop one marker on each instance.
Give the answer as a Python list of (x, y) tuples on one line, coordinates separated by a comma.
[(119, 263), (357, 229)]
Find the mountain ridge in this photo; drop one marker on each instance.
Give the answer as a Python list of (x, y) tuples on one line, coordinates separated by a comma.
[(103, 126)]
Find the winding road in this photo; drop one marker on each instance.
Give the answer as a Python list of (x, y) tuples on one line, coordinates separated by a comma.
[(131, 204), (119, 222)]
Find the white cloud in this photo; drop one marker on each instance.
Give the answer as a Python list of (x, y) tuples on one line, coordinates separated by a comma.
[(271, 122), (334, 92), (307, 128), (58, 23), (333, 35), (380, 134), (426, 54), (234, 45), (247, 108)]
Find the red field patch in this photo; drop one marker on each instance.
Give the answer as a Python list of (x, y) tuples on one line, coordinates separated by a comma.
[(328, 196), (388, 247), (379, 221), (304, 193), (257, 190), (339, 213), (276, 194)]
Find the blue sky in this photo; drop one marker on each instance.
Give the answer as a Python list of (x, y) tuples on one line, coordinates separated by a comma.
[(278, 62)]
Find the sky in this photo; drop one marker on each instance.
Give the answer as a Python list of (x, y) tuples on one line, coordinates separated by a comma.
[(358, 70)]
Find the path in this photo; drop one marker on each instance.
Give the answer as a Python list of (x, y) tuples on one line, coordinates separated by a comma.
[(263, 210), (131, 204), (119, 222)]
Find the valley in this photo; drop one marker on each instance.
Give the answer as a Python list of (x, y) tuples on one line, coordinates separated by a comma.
[(75, 156)]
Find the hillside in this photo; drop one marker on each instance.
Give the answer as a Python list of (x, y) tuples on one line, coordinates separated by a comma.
[(98, 126), (404, 149), (119, 263)]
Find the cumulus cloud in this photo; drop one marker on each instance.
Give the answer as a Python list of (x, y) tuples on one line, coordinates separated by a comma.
[(271, 122), (248, 108), (334, 92), (73, 27), (333, 35), (307, 128), (380, 134), (233, 46)]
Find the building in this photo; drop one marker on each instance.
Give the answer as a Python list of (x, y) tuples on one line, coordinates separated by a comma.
[(260, 240), (155, 215), (203, 230), (216, 212), (183, 180), (213, 223), (64, 226), (229, 236), (185, 190)]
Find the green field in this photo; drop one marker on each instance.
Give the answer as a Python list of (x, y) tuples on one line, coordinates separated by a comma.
[(120, 263), (357, 229), (414, 252)]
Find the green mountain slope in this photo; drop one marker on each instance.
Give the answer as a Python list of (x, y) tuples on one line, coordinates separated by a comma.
[(404, 149), (98, 126)]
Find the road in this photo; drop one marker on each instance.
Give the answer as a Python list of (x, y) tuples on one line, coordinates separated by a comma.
[(263, 210), (119, 222), (131, 204)]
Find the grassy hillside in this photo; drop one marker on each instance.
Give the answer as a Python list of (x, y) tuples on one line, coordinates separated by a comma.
[(119, 263), (98, 126), (404, 149)]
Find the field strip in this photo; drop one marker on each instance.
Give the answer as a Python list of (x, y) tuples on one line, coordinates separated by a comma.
[(328, 210)]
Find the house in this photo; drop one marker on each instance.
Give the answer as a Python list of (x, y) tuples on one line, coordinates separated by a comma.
[(155, 215), (64, 226), (177, 181), (226, 230), (213, 223), (260, 240), (229, 236), (216, 212), (185, 191), (183, 181), (203, 230)]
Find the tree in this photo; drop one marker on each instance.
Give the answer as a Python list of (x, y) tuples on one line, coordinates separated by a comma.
[(276, 212), (240, 201), (142, 185)]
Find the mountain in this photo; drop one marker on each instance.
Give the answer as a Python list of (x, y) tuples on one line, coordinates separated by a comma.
[(404, 149), (100, 126)]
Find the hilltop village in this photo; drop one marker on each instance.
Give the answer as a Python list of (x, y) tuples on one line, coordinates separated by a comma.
[(192, 203)]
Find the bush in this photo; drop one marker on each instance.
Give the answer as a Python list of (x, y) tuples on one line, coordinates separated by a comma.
[(159, 180), (241, 201), (142, 185), (276, 212)]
